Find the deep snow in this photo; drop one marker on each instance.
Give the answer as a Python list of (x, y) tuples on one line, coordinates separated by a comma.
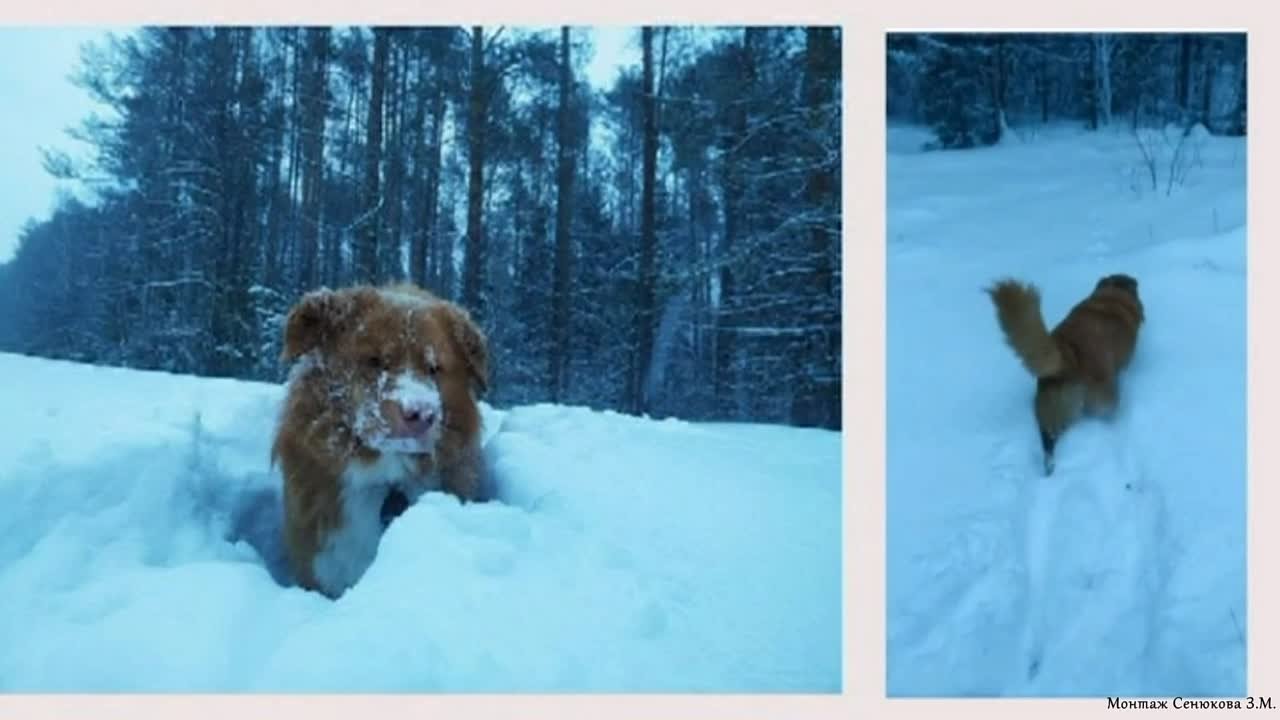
[(1124, 572), (138, 552)]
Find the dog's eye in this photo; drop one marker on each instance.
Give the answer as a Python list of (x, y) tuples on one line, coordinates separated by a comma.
[(374, 362)]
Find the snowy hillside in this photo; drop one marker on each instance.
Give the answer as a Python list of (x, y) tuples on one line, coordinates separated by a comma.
[(138, 553), (1123, 573)]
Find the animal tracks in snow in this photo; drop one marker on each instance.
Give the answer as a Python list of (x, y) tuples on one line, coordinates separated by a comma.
[(1090, 540)]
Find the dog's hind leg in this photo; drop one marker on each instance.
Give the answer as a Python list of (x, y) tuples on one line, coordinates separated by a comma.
[(1100, 399), (1058, 403), (1047, 443)]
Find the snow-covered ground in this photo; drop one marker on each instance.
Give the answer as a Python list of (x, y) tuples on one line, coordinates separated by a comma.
[(1124, 572), (138, 552)]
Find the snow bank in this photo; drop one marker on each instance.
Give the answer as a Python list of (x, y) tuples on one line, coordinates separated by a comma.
[(1124, 573), (139, 552)]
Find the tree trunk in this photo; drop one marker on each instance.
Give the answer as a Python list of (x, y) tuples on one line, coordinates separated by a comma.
[(314, 104), (1043, 86), (417, 203), (817, 400), (392, 262), (1095, 111), (1187, 45), (217, 361), (1209, 68), (1242, 104), (473, 268), (560, 313), (432, 219), (339, 271), (1000, 90), (1102, 47), (366, 269), (646, 300), (290, 239), (725, 382), (276, 197)]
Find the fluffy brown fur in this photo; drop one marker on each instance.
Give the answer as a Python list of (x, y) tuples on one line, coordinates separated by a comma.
[(344, 410), (1078, 363)]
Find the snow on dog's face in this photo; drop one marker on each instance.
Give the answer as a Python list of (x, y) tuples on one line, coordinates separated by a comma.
[(401, 364)]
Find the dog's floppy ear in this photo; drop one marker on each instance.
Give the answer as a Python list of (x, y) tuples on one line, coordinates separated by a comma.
[(314, 321), (470, 341)]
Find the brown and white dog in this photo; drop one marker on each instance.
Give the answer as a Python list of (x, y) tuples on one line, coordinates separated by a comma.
[(380, 400)]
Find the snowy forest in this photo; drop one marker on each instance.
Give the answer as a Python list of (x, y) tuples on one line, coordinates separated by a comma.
[(973, 89), (670, 245)]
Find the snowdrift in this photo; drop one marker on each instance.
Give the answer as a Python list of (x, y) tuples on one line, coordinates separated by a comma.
[(1124, 573), (139, 552)]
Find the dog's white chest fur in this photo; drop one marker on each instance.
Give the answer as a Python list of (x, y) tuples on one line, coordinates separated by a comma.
[(351, 548)]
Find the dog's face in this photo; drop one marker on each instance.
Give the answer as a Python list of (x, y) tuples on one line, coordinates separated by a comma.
[(1119, 281), (401, 365)]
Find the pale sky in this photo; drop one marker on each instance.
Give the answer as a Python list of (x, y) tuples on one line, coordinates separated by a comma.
[(38, 103), (615, 47)]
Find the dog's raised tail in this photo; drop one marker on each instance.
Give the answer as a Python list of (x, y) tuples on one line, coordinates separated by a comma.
[(1018, 312)]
